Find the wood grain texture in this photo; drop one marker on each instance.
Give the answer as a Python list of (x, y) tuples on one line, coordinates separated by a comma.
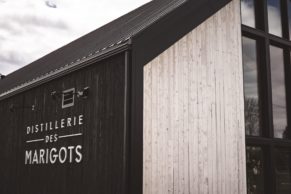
[(102, 169), (193, 112)]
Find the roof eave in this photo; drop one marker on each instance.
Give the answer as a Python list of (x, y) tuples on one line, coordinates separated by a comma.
[(126, 45), (155, 39)]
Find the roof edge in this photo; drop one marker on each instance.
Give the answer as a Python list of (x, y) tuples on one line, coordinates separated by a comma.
[(104, 54), (160, 31)]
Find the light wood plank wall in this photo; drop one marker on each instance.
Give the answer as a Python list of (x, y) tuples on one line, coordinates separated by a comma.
[(194, 140)]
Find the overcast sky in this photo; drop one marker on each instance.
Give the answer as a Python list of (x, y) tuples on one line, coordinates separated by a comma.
[(30, 29)]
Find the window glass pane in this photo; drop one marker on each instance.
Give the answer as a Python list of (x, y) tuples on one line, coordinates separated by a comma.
[(278, 92), (255, 173), (283, 171), (274, 17), (251, 91), (248, 13)]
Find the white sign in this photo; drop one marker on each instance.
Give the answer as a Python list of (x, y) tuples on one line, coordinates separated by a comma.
[(61, 155)]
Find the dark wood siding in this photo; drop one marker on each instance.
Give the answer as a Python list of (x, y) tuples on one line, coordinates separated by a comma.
[(102, 168)]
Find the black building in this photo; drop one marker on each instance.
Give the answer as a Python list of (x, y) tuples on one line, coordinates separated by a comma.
[(177, 96)]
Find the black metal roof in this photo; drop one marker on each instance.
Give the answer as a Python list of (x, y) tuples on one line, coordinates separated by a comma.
[(107, 38)]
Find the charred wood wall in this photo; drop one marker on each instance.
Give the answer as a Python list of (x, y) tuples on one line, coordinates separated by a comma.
[(103, 165)]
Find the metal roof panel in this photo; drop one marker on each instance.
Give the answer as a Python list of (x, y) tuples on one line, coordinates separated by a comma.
[(93, 44)]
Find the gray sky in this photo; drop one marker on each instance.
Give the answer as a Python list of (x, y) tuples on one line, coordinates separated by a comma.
[(30, 29)]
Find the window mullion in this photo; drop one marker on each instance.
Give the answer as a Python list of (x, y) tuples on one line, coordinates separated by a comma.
[(287, 62), (284, 16), (259, 13), (271, 180), (265, 15)]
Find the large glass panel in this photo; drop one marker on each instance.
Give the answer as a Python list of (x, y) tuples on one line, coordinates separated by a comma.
[(283, 171), (278, 92), (251, 91), (255, 172), (248, 13), (274, 17)]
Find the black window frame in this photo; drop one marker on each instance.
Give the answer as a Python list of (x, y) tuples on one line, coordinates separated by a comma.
[(264, 40)]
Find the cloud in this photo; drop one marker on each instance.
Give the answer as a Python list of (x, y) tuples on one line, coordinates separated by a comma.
[(30, 29), (250, 68), (278, 90), (10, 58), (51, 4), (274, 17), (248, 13)]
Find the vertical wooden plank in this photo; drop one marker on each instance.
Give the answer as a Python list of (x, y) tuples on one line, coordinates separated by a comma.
[(147, 160), (102, 167), (198, 140)]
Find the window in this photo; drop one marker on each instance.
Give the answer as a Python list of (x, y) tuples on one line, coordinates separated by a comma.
[(283, 170), (278, 92), (252, 102), (255, 170), (248, 13), (68, 98), (266, 30), (274, 17)]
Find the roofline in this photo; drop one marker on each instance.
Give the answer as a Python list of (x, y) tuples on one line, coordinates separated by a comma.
[(126, 45), (160, 31), (143, 52)]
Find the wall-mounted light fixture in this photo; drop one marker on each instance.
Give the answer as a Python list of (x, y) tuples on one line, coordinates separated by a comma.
[(56, 95), (84, 93)]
